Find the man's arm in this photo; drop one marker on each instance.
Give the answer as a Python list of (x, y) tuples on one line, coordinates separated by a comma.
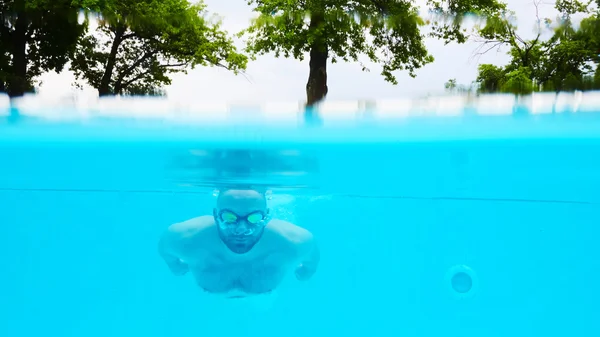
[(310, 256), (166, 251), (309, 262)]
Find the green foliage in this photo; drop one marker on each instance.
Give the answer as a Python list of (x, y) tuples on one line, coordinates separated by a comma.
[(450, 85), (139, 44), (451, 14), (568, 64), (570, 7), (387, 32), (491, 78), (567, 61), (500, 30), (36, 36), (533, 58), (589, 33), (518, 82)]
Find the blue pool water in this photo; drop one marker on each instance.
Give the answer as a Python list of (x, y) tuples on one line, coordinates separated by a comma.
[(429, 226)]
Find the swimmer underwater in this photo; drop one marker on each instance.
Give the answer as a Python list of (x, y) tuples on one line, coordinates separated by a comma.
[(239, 249)]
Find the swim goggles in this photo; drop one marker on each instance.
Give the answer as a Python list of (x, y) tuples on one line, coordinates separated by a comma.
[(230, 220)]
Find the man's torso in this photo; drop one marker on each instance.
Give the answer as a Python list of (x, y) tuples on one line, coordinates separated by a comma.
[(256, 276), (221, 272)]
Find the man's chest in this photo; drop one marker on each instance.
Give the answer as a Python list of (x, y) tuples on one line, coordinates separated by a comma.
[(256, 265), (258, 275)]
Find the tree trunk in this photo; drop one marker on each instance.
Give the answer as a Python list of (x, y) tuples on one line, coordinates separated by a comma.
[(17, 78), (316, 87), (105, 89)]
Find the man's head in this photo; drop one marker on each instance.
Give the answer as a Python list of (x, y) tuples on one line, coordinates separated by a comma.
[(241, 216)]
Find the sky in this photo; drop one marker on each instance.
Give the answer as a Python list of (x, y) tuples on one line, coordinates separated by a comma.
[(272, 79)]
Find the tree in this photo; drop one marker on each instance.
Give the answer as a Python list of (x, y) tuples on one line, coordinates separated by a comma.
[(491, 78), (500, 30), (139, 43), (568, 66), (571, 51), (518, 82), (450, 85), (562, 63), (387, 32), (36, 36)]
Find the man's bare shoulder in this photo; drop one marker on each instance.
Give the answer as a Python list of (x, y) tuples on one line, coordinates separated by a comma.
[(192, 227), (186, 240), (290, 232)]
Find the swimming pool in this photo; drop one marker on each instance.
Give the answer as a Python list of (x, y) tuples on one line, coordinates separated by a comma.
[(434, 220)]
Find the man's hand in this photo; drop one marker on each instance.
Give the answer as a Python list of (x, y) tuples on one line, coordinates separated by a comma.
[(310, 259), (178, 267), (304, 272)]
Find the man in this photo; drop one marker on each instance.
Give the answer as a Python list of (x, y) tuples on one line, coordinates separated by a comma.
[(239, 250)]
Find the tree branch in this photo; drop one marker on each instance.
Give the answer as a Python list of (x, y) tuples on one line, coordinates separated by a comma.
[(138, 77), (137, 63), (128, 36), (131, 68), (496, 44), (168, 65), (147, 72)]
